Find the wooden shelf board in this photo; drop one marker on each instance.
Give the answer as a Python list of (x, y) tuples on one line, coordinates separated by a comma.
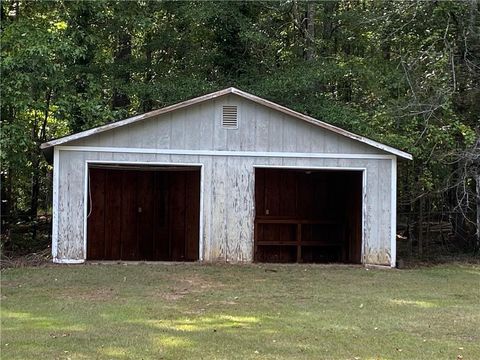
[(320, 244), (277, 243), (296, 221), (295, 243)]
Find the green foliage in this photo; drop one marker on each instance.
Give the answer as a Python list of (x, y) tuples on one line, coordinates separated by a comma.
[(401, 73)]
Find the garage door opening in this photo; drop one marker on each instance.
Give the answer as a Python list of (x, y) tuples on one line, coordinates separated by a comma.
[(312, 216), (143, 213)]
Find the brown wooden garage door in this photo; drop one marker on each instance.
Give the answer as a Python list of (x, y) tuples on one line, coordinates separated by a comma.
[(143, 214)]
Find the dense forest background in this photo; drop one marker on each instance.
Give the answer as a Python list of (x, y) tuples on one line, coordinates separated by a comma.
[(403, 73)]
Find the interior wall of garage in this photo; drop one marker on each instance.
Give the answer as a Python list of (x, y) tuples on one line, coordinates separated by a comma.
[(305, 215)]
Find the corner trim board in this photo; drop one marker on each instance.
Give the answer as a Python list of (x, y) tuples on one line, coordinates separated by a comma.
[(393, 213), (86, 184), (364, 216), (200, 230), (56, 169)]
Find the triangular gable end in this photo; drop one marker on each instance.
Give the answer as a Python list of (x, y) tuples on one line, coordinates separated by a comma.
[(231, 90)]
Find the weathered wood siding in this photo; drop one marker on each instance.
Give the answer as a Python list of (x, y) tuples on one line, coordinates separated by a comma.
[(228, 181), (199, 128)]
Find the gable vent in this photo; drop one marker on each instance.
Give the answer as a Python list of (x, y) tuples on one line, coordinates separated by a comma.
[(230, 117)]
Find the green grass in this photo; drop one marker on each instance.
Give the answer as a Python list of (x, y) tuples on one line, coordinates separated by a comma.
[(191, 311)]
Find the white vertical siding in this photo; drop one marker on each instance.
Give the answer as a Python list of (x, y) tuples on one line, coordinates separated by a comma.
[(70, 206), (228, 201), (218, 241), (198, 127), (205, 114), (163, 133), (219, 133), (240, 212)]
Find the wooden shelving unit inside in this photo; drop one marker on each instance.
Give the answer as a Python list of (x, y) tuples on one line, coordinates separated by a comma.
[(299, 233)]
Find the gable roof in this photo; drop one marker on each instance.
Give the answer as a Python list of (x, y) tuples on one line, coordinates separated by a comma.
[(230, 90)]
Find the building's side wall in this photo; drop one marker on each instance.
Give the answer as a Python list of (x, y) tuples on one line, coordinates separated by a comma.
[(227, 201), (198, 127)]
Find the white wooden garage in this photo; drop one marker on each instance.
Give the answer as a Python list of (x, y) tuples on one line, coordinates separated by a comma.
[(227, 177)]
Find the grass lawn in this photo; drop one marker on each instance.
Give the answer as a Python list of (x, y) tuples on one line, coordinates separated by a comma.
[(191, 311)]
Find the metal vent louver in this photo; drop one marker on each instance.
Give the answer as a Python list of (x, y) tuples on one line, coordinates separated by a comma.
[(230, 117)]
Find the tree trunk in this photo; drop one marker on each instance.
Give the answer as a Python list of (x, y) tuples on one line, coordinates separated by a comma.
[(122, 57), (147, 101), (477, 179), (6, 196), (35, 157), (39, 136), (297, 24), (80, 26), (35, 186), (7, 114), (420, 226), (310, 33), (329, 8)]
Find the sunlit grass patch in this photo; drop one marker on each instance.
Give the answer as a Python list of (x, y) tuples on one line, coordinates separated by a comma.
[(418, 303), (173, 341), (113, 352), (204, 323)]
